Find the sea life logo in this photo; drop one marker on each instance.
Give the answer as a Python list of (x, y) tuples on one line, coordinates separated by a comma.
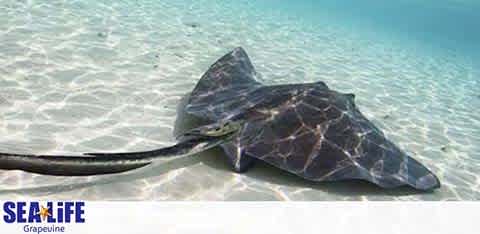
[(47, 217)]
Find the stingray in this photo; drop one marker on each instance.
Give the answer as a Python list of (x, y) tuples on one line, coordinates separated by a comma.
[(306, 129)]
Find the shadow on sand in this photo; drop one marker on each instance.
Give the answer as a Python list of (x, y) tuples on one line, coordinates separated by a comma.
[(215, 159)]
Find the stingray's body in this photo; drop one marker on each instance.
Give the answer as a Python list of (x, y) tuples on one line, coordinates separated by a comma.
[(306, 129)]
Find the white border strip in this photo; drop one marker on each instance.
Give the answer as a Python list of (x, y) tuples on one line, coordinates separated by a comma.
[(274, 218)]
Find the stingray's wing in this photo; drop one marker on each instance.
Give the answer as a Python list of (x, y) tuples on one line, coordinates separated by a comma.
[(224, 88), (320, 135), (236, 155)]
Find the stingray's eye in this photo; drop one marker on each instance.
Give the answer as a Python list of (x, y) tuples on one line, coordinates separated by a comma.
[(217, 129)]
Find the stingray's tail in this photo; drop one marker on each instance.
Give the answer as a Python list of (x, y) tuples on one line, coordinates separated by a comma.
[(68, 165), (102, 163), (90, 163)]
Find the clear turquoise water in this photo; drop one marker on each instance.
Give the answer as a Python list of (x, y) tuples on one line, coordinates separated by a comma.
[(83, 76), (446, 24)]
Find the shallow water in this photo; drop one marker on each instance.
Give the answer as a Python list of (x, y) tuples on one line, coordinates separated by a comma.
[(84, 76)]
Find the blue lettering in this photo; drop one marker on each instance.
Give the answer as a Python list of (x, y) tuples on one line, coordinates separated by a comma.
[(60, 212), (79, 211), (21, 212), (50, 219), (33, 213), (64, 212), (9, 216), (68, 211)]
